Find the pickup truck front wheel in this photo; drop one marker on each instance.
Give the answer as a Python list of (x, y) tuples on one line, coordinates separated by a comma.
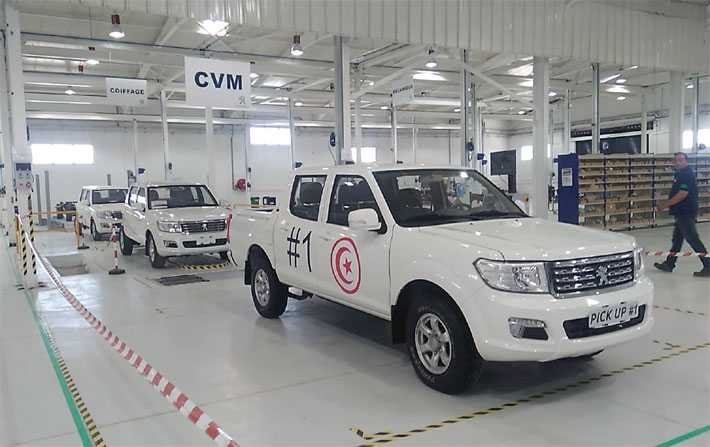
[(440, 346), (125, 243), (269, 295), (156, 261)]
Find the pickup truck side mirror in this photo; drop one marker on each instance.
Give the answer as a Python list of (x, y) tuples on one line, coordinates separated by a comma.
[(364, 219)]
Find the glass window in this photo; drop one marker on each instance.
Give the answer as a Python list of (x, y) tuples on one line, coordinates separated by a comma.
[(526, 153), (425, 197), (62, 154), (270, 136), (180, 196), (141, 197), (306, 196), (349, 194), (103, 196), (133, 197)]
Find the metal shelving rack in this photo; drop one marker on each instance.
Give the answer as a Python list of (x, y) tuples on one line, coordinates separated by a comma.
[(620, 192)]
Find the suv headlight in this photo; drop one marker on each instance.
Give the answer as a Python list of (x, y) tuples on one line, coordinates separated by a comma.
[(170, 227), (638, 262), (524, 277)]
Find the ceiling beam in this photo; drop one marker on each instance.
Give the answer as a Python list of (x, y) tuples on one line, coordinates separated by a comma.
[(170, 27)]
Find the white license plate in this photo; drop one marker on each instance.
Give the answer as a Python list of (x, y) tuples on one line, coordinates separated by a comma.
[(205, 240), (612, 315)]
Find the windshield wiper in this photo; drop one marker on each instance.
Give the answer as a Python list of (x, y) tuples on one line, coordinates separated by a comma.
[(494, 214), (432, 216)]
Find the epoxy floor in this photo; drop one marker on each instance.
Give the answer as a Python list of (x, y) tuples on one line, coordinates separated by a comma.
[(322, 369)]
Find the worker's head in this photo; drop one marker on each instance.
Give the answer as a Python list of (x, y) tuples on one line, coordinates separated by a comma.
[(681, 160)]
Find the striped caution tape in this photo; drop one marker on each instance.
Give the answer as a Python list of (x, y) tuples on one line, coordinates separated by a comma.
[(94, 434), (676, 254), (678, 309), (205, 266), (160, 383), (381, 438), (32, 239)]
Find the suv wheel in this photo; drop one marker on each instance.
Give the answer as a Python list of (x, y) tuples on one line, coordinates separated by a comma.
[(125, 243), (440, 344), (269, 295), (156, 261), (94, 232)]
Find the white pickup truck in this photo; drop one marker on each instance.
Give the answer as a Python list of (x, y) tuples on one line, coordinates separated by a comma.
[(173, 219), (462, 274), (100, 208)]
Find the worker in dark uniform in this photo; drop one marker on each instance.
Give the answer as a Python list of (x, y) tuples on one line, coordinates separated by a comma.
[(683, 205)]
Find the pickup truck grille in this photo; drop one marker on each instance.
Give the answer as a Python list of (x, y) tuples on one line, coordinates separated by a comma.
[(203, 226), (585, 274), (117, 215)]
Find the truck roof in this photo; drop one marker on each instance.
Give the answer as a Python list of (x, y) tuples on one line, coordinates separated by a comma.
[(95, 187), (157, 184), (363, 168)]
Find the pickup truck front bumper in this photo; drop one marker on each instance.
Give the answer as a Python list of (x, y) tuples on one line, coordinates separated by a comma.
[(185, 244), (568, 334)]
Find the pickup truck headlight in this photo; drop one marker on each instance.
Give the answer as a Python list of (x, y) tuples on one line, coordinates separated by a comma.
[(170, 227), (523, 277), (638, 262)]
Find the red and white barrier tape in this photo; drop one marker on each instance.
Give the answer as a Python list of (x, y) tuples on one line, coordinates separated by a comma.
[(164, 386), (675, 254)]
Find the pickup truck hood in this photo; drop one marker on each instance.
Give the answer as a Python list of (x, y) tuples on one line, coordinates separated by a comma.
[(534, 239), (100, 208), (191, 214)]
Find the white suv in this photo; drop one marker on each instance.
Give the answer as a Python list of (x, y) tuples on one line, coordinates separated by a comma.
[(100, 208), (173, 219)]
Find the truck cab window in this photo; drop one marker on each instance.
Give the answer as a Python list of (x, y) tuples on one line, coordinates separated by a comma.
[(349, 194), (306, 196)]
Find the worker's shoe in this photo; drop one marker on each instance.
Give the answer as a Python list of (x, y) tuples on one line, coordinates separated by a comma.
[(704, 273), (664, 266)]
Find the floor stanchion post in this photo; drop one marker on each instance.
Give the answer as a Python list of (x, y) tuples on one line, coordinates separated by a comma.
[(116, 270)]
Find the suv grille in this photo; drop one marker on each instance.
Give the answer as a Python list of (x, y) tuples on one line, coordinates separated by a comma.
[(579, 328), (203, 226), (581, 275)]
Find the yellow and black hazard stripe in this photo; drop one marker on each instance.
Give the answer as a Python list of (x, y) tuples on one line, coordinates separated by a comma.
[(380, 438), (667, 346), (203, 267), (683, 311), (32, 241), (94, 434)]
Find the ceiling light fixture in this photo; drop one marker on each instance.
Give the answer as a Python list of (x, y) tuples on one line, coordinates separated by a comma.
[(610, 78), (521, 112), (424, 75), (296, 48), (431, 63), (689, 86), (92, 62), (552, 94), (633, 67), (621, 81), (457, 109), (69, 91), (384, 108), (618, 89), (252, 73), (620, 98), (116, 31), (213, 27), (298, 103)]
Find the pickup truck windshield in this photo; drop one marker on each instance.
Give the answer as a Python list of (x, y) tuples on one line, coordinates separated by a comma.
[(104, 196), (179, 196), (434, 197)]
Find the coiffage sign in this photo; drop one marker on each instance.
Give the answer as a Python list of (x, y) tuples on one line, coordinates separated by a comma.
[(217, 83), (126, 92)]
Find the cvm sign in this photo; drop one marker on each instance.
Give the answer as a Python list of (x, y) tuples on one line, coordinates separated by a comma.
[(217, 83)]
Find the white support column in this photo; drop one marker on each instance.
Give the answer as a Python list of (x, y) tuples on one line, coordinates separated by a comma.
[(292, 134), (644, 122), (696, 113), (676, 112), (135, 148), (167, 167), (342, 98), (20, 149), (9, 170), (415, 133), (595, 108), (567, 126), (393, 124), (358, 120), (468, 111), (209, 145), (541, 168)]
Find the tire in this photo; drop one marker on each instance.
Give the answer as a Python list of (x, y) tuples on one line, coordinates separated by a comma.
[(156, 261), (94, 232), (269, 295), (125, 243), (224, 255), (433, 311)]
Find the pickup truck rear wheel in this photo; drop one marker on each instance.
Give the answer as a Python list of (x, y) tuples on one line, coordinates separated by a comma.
[(156, 261), (269, 295), (440, 345)]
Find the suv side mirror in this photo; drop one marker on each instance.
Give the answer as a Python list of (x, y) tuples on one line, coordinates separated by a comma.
[(364, 219)]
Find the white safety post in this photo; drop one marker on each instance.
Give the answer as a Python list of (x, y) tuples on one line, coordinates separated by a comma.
[(644, 122), (393, 124), (541, 165), (292, 135), (116, 270), (8, 215), (21, 154), (135, 148), (167, 174), (595, 108), (342, 98), (209, 145), (676, 112)]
